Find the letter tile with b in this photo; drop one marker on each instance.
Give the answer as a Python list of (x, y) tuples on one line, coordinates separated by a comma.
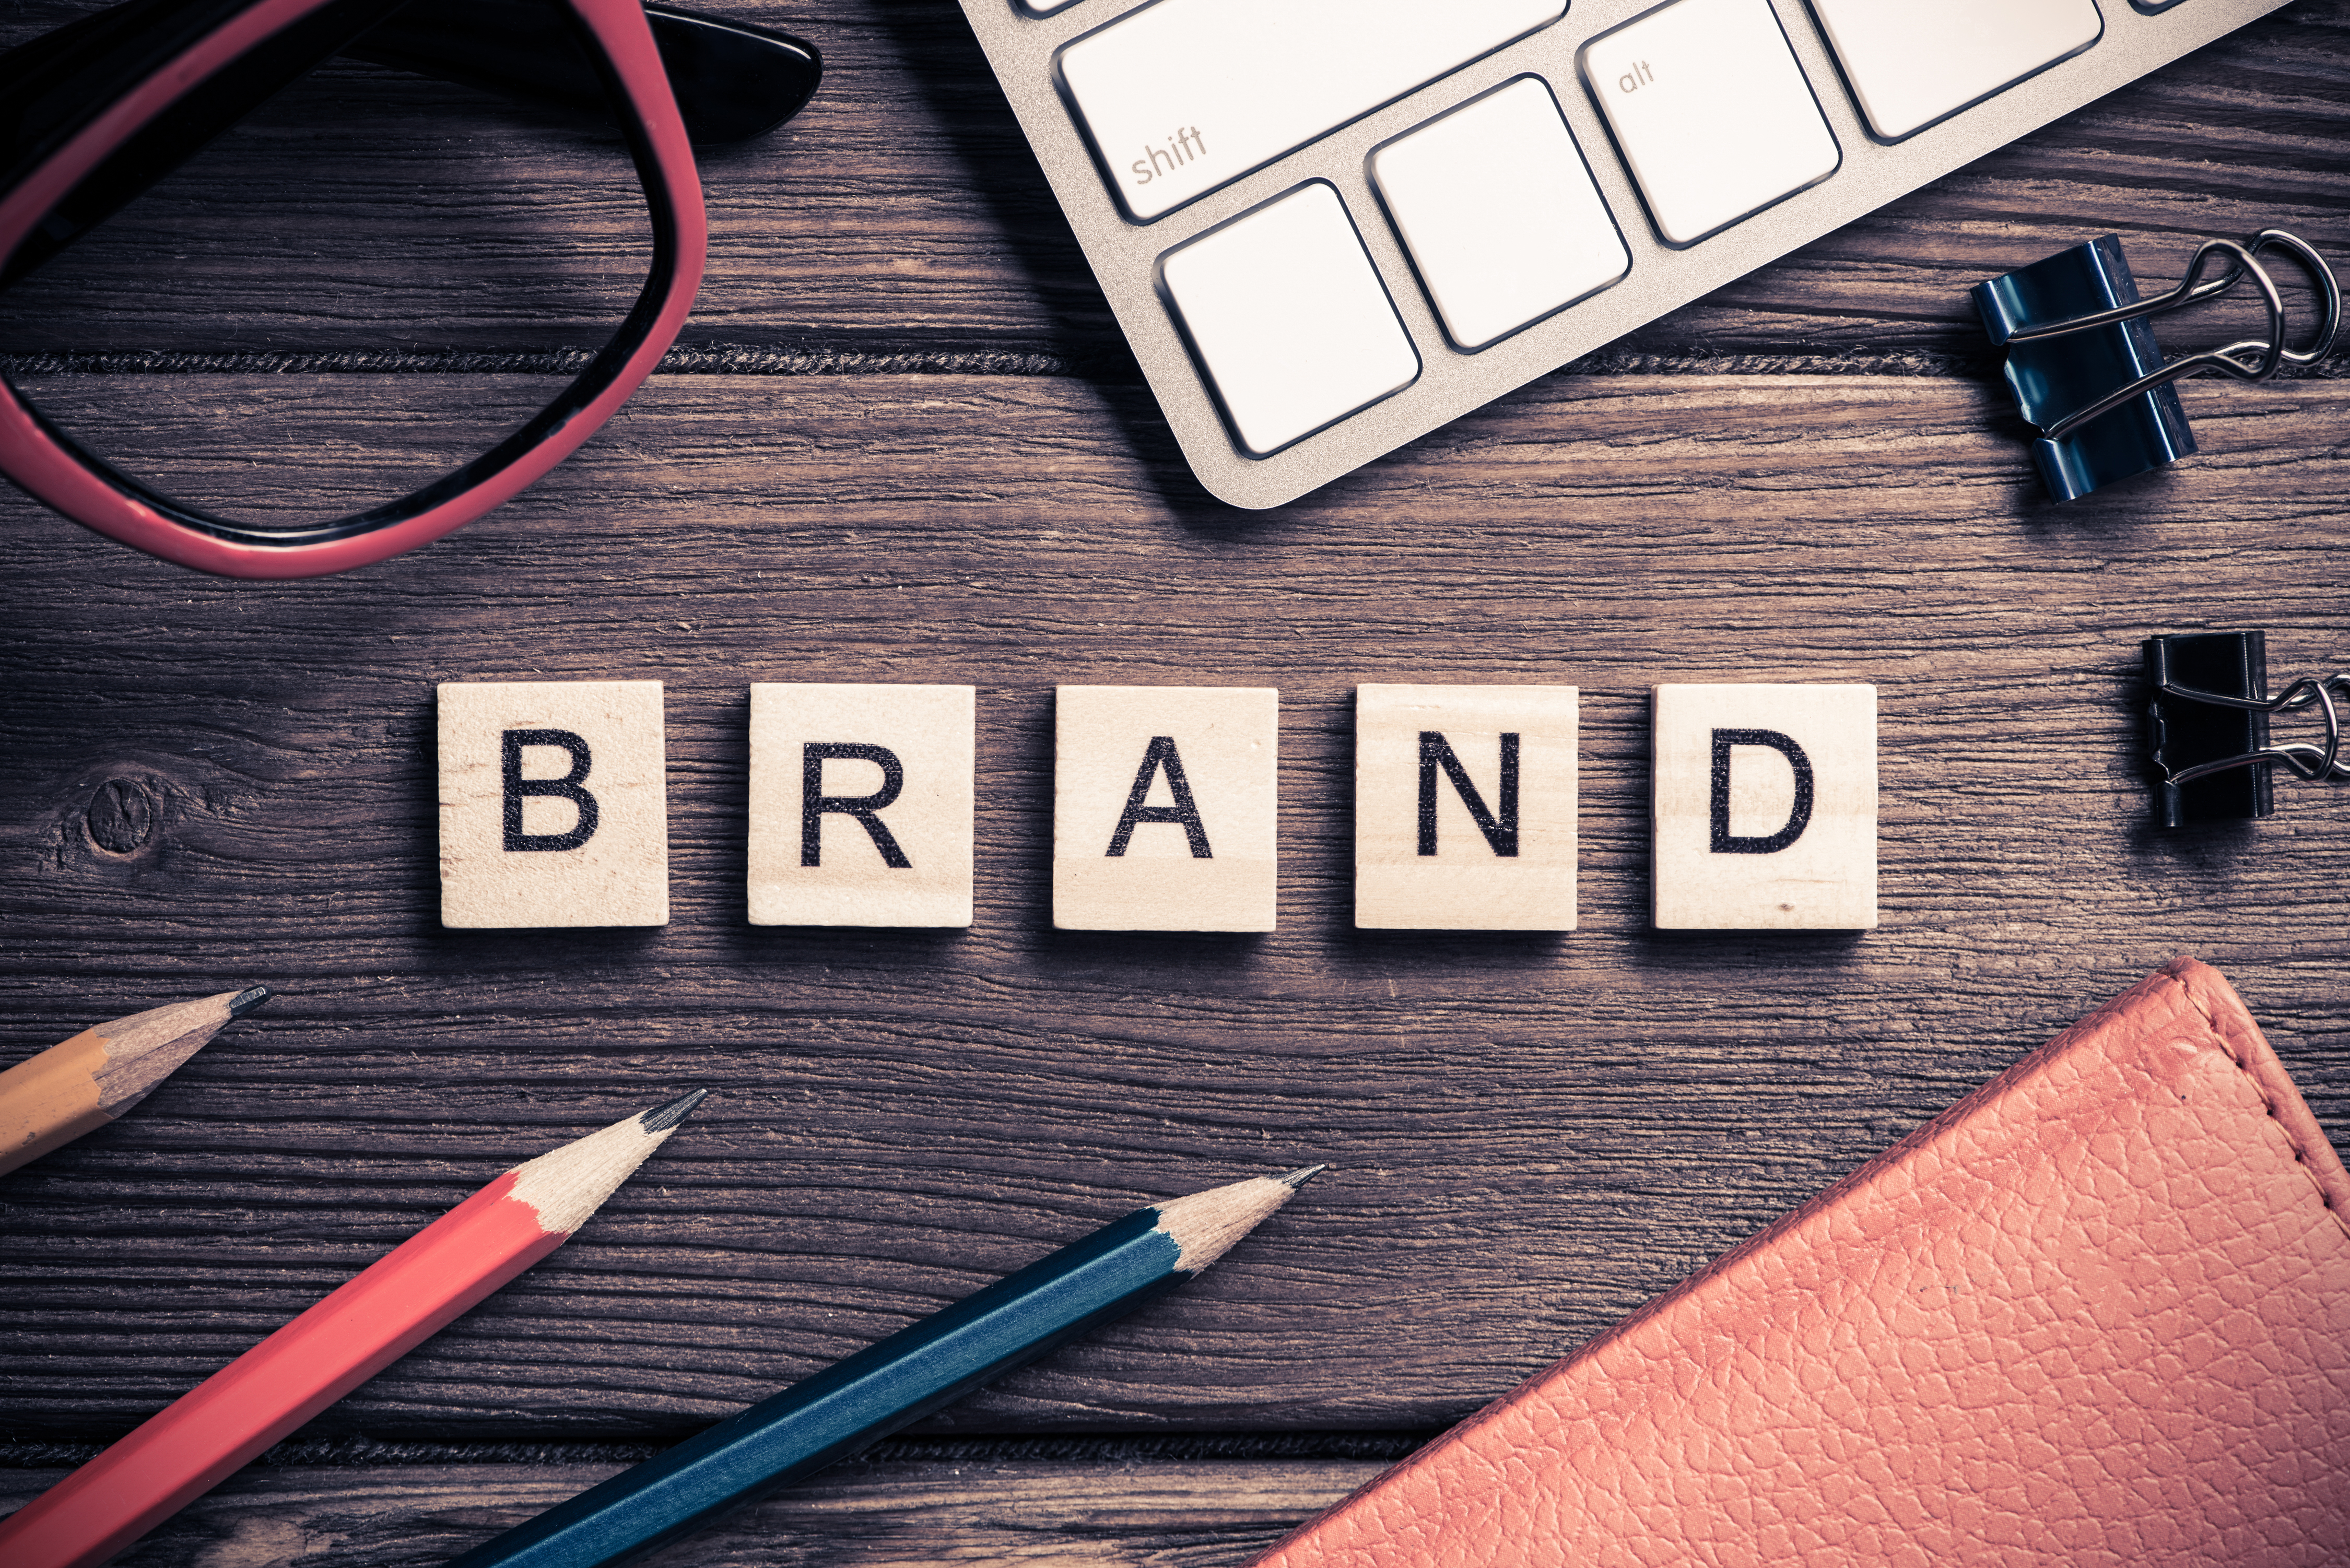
[(1164, 808), (862, 805), (553, 811), (1464, 808), (1765, 807)]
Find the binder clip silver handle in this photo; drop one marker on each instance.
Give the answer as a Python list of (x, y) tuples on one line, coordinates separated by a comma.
[(2314, 763), (2251, 359), (2211, 755)]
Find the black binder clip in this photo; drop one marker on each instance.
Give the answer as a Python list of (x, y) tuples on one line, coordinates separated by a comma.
[(2209, 727), (2083, 362)]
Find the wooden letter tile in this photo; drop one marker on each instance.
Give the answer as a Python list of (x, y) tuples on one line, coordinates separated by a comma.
[(553, 807), (1765, 807), (862, 805), (1464, 808), (1164, 808)]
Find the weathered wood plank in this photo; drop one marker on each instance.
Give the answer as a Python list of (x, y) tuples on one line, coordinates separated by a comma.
[(1531, 1134), (858, 1516), (903, 213)]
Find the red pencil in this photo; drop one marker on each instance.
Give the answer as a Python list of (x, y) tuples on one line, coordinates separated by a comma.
[(385, 1312)]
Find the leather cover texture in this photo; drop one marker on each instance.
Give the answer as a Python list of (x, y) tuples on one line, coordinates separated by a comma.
[(2096, 1314)]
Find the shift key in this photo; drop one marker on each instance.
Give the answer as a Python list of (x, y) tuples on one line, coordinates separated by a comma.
[(1180, 97)]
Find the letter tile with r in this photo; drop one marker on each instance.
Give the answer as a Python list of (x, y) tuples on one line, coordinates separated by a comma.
[(1764, 807), (554, 806), (1164, 808), (1464, 808), (861, 803)]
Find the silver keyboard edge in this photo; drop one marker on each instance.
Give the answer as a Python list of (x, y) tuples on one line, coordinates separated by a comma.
[(1123, 254)]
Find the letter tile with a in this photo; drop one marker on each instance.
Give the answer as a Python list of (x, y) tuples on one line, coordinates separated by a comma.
[(1164, 808), (1765, 805), (554, 807), (1464, 808), (861, 802)]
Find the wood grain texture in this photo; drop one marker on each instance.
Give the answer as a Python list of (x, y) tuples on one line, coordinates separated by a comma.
[(203, 784), (860, 1516), (902, 213), (1531, 1134)]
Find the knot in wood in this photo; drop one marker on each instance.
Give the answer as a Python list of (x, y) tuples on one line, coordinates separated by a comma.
[(122, 817)]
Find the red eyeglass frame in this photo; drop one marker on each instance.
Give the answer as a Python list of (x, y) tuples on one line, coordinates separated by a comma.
[(51, 466)]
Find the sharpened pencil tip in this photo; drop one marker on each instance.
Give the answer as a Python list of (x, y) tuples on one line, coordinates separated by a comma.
[(661, 1119), (245, 1001), (1301, 1176)]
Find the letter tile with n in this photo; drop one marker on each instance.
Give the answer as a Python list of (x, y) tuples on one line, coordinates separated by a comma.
[(1464, 808)]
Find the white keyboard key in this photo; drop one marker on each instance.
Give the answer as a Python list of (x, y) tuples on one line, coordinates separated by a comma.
[(1179, 97), (1042, 7), (1711, 112), (1289, 318), (1909, 64), (1499, 211)]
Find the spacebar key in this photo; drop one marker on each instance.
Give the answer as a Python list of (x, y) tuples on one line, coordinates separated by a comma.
[(1180, 97)]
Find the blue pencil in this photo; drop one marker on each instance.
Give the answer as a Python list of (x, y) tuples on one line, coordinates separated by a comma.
[(826, 1419)]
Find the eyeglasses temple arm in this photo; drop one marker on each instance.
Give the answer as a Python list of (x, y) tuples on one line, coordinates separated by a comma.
[(733, 82)]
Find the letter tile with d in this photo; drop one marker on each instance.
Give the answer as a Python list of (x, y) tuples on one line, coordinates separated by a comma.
[(554, 808), (1764, 807)]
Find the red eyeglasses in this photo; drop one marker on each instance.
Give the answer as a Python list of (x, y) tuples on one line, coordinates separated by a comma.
[(92, 114)]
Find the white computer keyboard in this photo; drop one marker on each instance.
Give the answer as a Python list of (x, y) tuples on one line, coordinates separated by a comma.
[(1329, 226)]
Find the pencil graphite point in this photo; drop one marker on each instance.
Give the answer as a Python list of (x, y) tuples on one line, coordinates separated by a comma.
[(800, 1430), (77, 1085), (661, 1119), (1205, 1225), (568, 1185), (368, 1321)]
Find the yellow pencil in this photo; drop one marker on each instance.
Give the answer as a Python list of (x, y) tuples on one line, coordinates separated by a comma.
[(87, 1082)]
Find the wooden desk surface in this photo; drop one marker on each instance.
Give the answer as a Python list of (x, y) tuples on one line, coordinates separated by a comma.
[(902, 443)]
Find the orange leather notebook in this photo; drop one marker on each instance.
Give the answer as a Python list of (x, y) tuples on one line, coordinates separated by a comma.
[(2096, 1314)]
